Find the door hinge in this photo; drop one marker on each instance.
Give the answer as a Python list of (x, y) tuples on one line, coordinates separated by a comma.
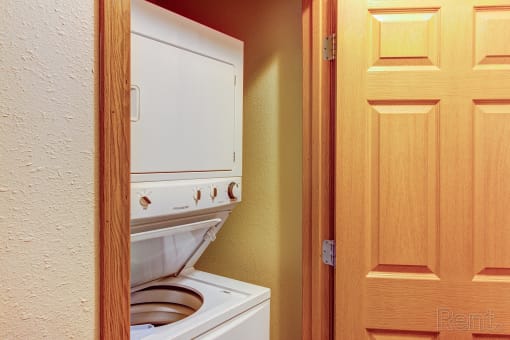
[(329, 252), (329, 47), (234, 157)]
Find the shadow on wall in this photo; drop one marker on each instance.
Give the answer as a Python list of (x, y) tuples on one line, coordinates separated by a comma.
[(261, 242)]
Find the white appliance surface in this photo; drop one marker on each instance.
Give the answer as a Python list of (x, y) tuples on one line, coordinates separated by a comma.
[(186, 98), (171, 198), (173, 222), (186, 168), (253, 324), (230, 308), (167, 242)]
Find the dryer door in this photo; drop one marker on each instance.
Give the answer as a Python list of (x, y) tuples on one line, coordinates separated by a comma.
[(183, 110), (186, 98)]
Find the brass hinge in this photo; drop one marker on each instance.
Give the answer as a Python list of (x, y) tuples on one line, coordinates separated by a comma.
[(329, 47)]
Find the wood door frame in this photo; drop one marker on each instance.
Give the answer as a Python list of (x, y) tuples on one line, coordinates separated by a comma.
[(319, 21), (114, 168)]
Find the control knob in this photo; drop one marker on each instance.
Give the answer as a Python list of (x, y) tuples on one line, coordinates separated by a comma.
[(214, 192), (197, 196), (145, 201), (233, 190)]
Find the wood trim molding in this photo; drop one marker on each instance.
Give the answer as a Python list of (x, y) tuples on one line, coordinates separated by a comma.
[(114, 165), (319, 20)]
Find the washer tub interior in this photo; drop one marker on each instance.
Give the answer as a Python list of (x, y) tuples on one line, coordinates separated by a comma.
[(163, 304)]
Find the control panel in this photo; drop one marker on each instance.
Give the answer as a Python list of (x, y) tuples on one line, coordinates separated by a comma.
[(166, 198)]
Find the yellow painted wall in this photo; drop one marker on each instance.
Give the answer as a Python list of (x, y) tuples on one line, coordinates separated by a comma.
[(261, 242)]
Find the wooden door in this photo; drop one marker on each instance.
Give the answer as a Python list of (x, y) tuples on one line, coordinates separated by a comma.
[(423, 170)]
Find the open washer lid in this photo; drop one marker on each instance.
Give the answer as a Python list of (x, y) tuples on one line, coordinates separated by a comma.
[(167, 248)]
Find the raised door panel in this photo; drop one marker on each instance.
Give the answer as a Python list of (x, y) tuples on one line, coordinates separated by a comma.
[(403, 180), (492, 32), (389, 335), (492, 188), (403, 38)]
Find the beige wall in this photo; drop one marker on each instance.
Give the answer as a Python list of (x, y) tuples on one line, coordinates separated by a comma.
[(261, 242), (47, 163)]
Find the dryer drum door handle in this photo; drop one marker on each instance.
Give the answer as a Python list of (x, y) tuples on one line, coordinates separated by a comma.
[(135, 103)]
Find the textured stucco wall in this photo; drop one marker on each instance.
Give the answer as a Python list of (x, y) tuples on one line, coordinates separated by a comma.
[(47, 170), (261, 242)]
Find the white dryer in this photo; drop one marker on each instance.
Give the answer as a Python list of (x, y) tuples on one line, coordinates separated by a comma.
[(186, 142)]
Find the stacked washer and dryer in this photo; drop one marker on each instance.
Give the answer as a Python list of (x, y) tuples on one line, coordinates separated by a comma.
[(186, 168)]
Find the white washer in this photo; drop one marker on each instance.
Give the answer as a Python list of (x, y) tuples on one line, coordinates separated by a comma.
[(169, 298), (231, 310)]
